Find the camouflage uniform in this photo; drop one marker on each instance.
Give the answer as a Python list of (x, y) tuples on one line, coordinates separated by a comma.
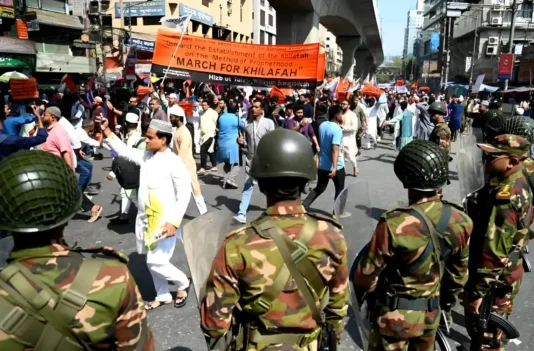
[(248, 263), (53, 297), (441, 135), (113, 317), (399, 241), (507, 205)]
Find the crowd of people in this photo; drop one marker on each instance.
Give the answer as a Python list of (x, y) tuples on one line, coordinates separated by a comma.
[(283, 146)]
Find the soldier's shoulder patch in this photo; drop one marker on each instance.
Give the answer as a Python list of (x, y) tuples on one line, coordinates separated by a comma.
[(103, 252), (239, 231), (326, 219), (504, 192)]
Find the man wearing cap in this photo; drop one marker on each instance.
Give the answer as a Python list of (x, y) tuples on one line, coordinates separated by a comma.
[(182, 145), (97, 114), (171, 100), (134, 139), (502, 217), (163, 196), (484, 117)]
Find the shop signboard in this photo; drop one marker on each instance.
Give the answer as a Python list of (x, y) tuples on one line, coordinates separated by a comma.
[(7, 12), (196, 15), (141, 9), (17, 61), (142, 45), (506, 66)]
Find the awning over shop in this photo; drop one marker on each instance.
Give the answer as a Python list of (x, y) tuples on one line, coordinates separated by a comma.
[(17, 46), (518, 90), (61, 63), (58, 19)]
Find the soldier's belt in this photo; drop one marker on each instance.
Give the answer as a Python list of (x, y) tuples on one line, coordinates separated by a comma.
[(270, 338), (420, 304)]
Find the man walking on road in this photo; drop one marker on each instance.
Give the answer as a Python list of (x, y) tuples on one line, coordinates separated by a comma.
[(349, 128), (254, 131), (208, 129), (164, 193), (331, 164)]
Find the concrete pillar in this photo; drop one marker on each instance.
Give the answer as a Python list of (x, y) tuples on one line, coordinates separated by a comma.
[(297, 28), (364, 62), (349, 46)]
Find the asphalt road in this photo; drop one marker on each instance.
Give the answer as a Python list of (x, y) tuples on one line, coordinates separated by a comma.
[(378, 190)]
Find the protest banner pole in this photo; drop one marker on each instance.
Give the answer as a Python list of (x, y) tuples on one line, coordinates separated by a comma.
[(172, 58)]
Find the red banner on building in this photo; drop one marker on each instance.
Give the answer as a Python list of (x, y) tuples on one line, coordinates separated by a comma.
[(506, 66)]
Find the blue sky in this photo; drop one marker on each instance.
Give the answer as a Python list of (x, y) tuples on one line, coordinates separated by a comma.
[(394, 15)]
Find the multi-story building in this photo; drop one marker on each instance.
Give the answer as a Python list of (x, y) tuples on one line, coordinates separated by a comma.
[(487, 30), (334, 53), (263, 23), (217, 19), (46, 50), (413, 25)]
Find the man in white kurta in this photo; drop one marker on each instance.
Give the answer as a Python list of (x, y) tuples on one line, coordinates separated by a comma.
[(350, 127), (163, 195)]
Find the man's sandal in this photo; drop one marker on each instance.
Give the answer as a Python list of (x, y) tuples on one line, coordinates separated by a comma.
[(155, 304), (180, 301)]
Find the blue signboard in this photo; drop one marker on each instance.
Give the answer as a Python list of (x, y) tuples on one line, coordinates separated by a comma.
[(434, 41), (143, 45), (144, 9), (196, 15)]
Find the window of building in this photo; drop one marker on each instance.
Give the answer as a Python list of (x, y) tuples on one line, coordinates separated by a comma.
[(270, 8), (271, 20), (127, 21), (205, 29), (262, 2), (262, 18), (151, 21), (49, 5), (241, 13), (262, 37), (206, 3), (271, 39), (526, 10)]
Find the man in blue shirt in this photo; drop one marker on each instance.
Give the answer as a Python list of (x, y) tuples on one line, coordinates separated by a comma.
[(331, 163), (13, 123), (9, 144)]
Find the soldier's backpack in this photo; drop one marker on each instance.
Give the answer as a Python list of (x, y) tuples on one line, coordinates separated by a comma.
[(36, 321), (126, 171), (307, 279)]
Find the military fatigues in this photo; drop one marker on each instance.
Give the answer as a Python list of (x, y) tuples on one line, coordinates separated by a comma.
[(502, 239), (248, 264), (441, 135), (401, 270), (113, 317), (502, 215)]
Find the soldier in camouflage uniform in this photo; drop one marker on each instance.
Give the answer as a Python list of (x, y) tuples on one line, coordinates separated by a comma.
[(441, 135), (416, 262), (53, 297), (501, 230), (524, 127), (249, 283)]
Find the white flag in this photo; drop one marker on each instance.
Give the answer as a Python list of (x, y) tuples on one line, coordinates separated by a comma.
[(179, 23)]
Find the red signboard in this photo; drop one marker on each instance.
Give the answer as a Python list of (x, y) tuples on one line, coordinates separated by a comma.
[(506, 66)]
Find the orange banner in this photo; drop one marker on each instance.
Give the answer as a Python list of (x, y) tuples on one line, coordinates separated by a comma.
[(187, 107), (321, 67), (225, 62), (23, 88), (342, 89), (22, 29)]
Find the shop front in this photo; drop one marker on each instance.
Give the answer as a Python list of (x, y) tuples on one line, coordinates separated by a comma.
[(17, 55), (51, 67)]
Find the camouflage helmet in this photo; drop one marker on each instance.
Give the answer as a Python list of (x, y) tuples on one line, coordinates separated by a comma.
[(437, 107), (422, 165), (283, 153), (521, 126), (38, 192), (494, 126)]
